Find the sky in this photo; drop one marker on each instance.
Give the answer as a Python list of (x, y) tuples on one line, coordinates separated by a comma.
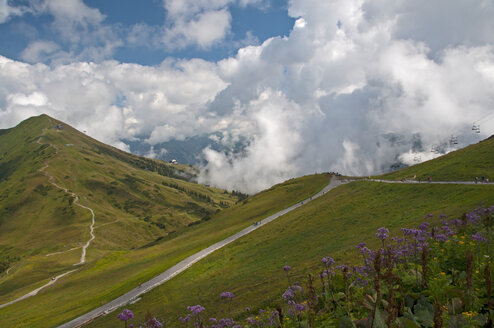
[(307, 86)]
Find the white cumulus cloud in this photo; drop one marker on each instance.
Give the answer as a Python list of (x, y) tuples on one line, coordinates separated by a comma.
[(356, 86)]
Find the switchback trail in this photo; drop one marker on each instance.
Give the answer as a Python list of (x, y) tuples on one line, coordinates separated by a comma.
[(51, 180), (133, 295)]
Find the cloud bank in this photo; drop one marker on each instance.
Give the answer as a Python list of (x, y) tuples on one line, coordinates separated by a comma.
[(356, 86)]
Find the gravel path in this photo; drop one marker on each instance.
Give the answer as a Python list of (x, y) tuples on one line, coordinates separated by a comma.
[(133, 295), (426, 182), (51, 180)]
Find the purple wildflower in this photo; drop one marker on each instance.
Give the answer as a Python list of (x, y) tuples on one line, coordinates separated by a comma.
[(382, 233), (153, 323), (424, 226), (227, 295), (327, 261), (288, 294), (411, 232), (361, 282), (478, 237), (342, 267), (185, 319), (473, 218), (448, 231), (247, 309), (195, 309), (299, 307), (213, 320), (227, 322), (421, 236), (365, 251), (441, 237), (286, 268), (362, 270), (126, 315)]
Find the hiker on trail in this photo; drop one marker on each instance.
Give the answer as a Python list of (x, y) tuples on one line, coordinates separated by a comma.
[(482, 179), (476, 180), (429, 179)]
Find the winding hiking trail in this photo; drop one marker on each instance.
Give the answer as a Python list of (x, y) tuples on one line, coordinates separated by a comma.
[(133, 295), (34, 292), (51, 180)]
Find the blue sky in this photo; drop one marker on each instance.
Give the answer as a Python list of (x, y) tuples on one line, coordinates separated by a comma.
[(250, 24), (307, 86)]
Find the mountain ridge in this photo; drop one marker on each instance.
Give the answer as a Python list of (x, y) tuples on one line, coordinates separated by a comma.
[(52, 174)]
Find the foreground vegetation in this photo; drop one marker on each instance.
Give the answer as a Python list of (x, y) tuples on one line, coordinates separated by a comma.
[(329, 225), (436, 275)]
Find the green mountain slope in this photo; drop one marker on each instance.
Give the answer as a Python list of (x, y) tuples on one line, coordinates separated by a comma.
[(136, 201), (252, 267), (461, 165), (129, 203)]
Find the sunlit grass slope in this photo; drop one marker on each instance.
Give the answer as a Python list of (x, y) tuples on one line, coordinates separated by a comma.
[(137, 201), (461, 165), (118, 262), (332, 225)]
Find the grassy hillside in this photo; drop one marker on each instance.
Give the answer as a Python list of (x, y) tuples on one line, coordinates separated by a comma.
[(128, 247), (250, 267), (461, 165), (136, 201), (332, 225)]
